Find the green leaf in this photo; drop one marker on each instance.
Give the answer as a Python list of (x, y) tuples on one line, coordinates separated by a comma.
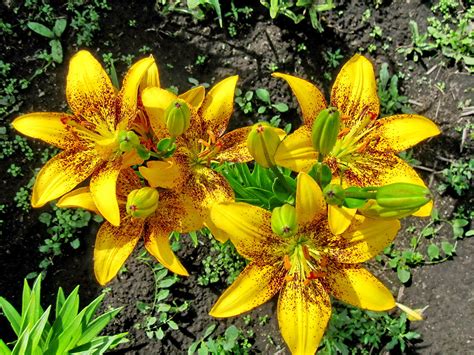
[(172, 324), (433, 251), (166, 283), (448, 248), (99, 345), (56, 50), (403, 274), (40, 29), (21, 345), (160, 334), (280, 107), (59, 301), (209, 330), (37, 330), (11, 314), (4, 348), (59, 27), (95, 327), (263, 95)]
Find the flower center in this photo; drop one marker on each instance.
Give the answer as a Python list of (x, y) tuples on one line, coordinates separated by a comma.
[(208, 149), (304, 262), (351, 141)]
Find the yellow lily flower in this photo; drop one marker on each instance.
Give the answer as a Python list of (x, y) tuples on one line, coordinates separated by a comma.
[(89, 136), (365, 153), (114, 244), (305, 268), (205, 141)]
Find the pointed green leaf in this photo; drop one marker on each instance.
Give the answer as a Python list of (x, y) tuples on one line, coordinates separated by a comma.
[(40, 29), (59, 27), (11, 314), (96, 326)]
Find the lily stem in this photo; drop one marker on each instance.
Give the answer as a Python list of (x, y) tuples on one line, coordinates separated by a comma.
[(282, 179)]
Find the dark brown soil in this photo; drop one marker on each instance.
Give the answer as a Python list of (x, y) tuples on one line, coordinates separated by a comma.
[(175, 42)]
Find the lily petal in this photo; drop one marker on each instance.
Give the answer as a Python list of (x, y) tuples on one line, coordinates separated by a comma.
[(401, 132), (156, 101), (50, 127), (177, 212), (340, 218), (128, 95), (81, 198), (113, 246), (255, 285), (249, 228), (355, 89), (358, 287), (303, 314), (309, 199), (157, 243), (127, 181), (164, 173), (194, 96), (103, 187), (90, 92), (310, 99), (218, 106), (234, 146), (296, 151), (424, 211), (365, 239), (61, 174), (151, 78)]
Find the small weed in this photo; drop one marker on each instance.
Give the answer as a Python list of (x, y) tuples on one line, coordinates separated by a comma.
[(260, 101), (22, 199), (14, 170), (391, 101), (222, 263), (158, 315), (233, 341), (419, 45), (333, 59), (458, 176), (200, 60), (351, 330)]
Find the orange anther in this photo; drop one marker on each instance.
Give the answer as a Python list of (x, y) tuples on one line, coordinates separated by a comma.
[(343, 132), (212, 136), (289, 278), (373, 115), (363, 146), (306, 282), (316, 275), (204, 143), (287, 263), (323, 262)]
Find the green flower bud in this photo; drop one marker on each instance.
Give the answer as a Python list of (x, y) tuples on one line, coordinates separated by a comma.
[(373, 210), (128, 140), (142, 203), (402, 196), (177, 117), (284, 221), (325, 130), (334, 194), (262, 143)]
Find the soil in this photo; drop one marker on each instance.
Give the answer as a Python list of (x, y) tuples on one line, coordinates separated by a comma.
[(175, 41)]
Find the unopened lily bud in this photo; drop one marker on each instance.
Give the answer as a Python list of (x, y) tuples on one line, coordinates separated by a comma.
[(128, 140), (325, 130), (373, 210), (177, 117), (402, 196), (262, 143), (284, 221), (142, 203), (334, 194)]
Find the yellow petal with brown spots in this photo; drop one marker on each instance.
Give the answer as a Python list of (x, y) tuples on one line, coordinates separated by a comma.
[(309, 199), (163, 173), (303, 314), (234, 146), (157, 243), (218, 106), (127, 181), (249, 228), (358, 287), (50, 127), (296, 151), (90, 92), (127, 97), (194, 96), (310, 99), (255, 285), (355, 90), (61, 174), (156, 101), (103, 187), (401, 132), (113, 246), (79, 198), (340, 218), (365, 239)]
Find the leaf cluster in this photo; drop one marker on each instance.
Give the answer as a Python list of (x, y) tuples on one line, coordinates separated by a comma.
[(69, 330), (233, 341)]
